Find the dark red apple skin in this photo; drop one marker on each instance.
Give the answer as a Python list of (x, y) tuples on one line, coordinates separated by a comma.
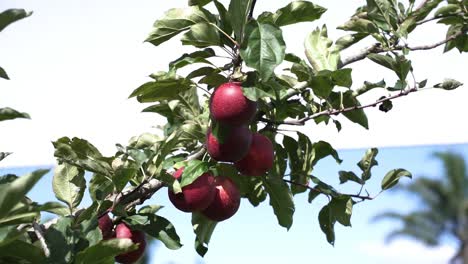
[(106, 225), (259, 158), (124, 231), (234, 147), (228, 105), (226, 201), (195, 196)]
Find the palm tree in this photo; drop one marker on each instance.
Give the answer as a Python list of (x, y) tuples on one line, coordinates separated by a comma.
[(443, 209)]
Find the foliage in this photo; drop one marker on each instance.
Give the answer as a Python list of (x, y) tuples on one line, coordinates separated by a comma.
[(318, 88)]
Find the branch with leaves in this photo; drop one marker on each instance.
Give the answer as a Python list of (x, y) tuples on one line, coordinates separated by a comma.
[(315, 86)]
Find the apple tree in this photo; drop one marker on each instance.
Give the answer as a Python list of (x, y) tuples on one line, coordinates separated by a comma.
[(233, 108)]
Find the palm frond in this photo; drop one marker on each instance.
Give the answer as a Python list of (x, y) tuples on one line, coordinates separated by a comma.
[(455, 172), (427, 238)]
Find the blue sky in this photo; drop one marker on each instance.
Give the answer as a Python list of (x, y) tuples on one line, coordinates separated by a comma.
[(253, 235)]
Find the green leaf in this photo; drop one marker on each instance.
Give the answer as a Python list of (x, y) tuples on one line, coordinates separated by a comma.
[(460, 42), (21, 252), (124, 174), (312, 195), (264, 48), (150, 209), (327, 223), (449, 84), (11, 15), (322, 149), (341, 209), (319, 51), (342, 77), (3, 74), (393, 176), (254, 93), (53, 207), (186, 59), (9, 234), (166, 87), (447, 10), (238, 11), (349, 100), (349, 40), (369, 86), (322, 84), (360, 25), (82, 154), (175, 21), (281, 200), (296, 12), (69, 185), (12, 193), (157, 227), (383, 13), (425, 10), (3, 155), (61, 240), (385, 60), (7, 113), (100, 186), (202, 35), (193, 170), (203, 228), (367, 162), (349, 176), (225, 20), (105, 251), (214, 79)]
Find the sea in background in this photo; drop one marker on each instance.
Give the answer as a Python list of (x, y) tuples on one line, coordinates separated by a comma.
[(253, 234)]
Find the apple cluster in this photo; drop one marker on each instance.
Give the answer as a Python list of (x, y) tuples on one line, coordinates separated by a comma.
[(252, 153), (122, 230), (218, 198)]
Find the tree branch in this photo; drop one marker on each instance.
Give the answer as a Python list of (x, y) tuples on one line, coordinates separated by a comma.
[(437, 17), (302, 121), (40, 236), (319, 191), (377, 48)]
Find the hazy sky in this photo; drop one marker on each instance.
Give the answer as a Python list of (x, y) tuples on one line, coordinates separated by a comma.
[(74, 63)]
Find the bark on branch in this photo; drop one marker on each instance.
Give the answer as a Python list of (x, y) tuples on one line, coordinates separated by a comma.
[(302, 121), (377, 48)]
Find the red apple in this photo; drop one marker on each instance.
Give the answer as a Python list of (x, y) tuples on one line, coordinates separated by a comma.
[(259, 159), (106, 225), (226, 201), (124, 231), (234, 147), (195, 196), (228, 105)]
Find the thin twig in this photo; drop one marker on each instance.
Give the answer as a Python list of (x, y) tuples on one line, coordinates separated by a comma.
[(437, 17), (197, 154), (40, 236), (302, 121), (225, 34), (377, 48), (319, 191)]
